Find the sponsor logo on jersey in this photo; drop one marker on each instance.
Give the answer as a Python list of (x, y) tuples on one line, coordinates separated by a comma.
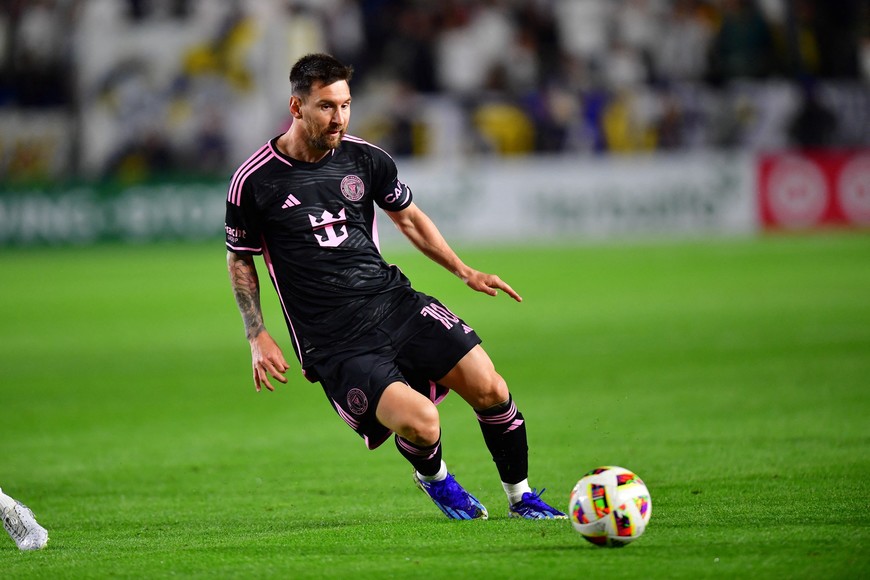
[(290, 201), (234, 234), (352, 188), (327, 227)]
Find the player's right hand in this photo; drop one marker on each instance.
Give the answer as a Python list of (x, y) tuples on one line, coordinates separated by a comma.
[(267, 359)]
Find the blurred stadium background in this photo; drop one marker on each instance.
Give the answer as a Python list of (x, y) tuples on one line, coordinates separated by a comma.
[(512, 119)]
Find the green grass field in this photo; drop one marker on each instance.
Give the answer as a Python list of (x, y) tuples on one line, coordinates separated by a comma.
[(732, 375)]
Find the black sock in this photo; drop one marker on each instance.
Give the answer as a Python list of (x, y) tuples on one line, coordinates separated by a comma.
[(426, 460), (504, 431)]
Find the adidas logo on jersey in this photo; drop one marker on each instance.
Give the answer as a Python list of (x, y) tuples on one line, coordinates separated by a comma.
[(290, 201)]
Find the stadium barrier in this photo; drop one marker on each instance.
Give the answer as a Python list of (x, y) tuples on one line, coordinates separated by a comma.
[(814, 189), (79, 214), (515, 200)]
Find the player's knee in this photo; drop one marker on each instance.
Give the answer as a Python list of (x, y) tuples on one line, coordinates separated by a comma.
[(491, 392), (422, 427)]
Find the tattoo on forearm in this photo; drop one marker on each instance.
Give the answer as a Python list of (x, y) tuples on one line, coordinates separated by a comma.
[(246, 288)]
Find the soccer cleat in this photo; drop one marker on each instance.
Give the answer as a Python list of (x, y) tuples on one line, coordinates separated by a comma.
[(22, 527), (532, 507), (452, 499)]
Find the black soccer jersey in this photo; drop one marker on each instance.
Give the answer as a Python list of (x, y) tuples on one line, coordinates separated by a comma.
[(315, 225)]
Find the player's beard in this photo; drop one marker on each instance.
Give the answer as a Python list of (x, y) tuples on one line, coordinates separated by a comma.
[(322, 140)]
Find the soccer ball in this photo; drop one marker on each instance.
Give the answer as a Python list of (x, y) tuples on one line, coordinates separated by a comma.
[(610, 506)]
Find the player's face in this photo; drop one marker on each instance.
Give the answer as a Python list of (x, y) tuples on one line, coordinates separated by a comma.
[(325, 115)]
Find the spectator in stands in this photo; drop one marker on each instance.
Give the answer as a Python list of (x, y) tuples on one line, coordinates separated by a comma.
[(680, 54), (837, 30), (813, 125), (39, 77), (743, 45), (408, 53)]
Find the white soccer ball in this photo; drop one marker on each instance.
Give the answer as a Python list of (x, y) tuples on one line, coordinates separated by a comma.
[(610, 506)]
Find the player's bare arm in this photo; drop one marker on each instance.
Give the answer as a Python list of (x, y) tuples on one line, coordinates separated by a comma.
[(424, 234), (266, 356)]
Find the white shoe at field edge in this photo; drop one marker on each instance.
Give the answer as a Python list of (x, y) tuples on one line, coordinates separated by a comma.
[(23, 528)]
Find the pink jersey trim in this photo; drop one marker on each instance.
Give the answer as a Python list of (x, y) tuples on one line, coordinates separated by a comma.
[(234, 196), (353, 139), (353, 423), (433, 393), (375, 237), (278, 155), (268, 259), (244, 249), (372, 445)]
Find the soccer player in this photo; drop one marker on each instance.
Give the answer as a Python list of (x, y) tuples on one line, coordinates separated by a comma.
[(383, 353), (19, 523)]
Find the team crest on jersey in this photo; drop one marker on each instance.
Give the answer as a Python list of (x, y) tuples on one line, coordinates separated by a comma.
[(357, 401), (352, 188)]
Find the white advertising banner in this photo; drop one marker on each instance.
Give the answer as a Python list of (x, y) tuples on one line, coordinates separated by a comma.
[(549, 199)]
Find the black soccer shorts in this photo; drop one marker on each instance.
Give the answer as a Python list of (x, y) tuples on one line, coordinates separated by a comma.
[(418, 343)]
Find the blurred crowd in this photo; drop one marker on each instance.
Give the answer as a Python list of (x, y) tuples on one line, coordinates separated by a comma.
[(511, 76)]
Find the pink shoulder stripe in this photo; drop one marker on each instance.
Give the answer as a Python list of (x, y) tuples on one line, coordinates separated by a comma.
[(245, 169)]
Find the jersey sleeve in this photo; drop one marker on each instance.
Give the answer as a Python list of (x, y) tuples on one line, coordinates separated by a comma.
[(242, 222), (389, 193)]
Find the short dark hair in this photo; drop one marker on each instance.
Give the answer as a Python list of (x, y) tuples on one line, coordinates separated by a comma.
[(317, 67)]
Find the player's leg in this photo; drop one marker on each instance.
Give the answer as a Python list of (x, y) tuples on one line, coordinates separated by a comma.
[(409, 414), (369, 392), (475, 379), (21, 525), (414, 419)]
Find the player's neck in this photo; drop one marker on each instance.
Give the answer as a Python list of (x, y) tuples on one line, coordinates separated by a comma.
[(296, 147)]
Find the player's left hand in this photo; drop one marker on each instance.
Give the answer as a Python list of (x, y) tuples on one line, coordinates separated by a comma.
[(267, 359), (490, 284)]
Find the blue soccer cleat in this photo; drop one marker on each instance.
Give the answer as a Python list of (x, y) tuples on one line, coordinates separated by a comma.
[(452, 499), (531, 507)]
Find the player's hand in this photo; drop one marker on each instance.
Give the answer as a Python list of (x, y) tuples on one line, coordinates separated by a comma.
[(267, 359), (489, 284)]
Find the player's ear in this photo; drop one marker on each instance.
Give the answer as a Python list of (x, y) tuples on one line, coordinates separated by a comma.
[(294, 106)]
